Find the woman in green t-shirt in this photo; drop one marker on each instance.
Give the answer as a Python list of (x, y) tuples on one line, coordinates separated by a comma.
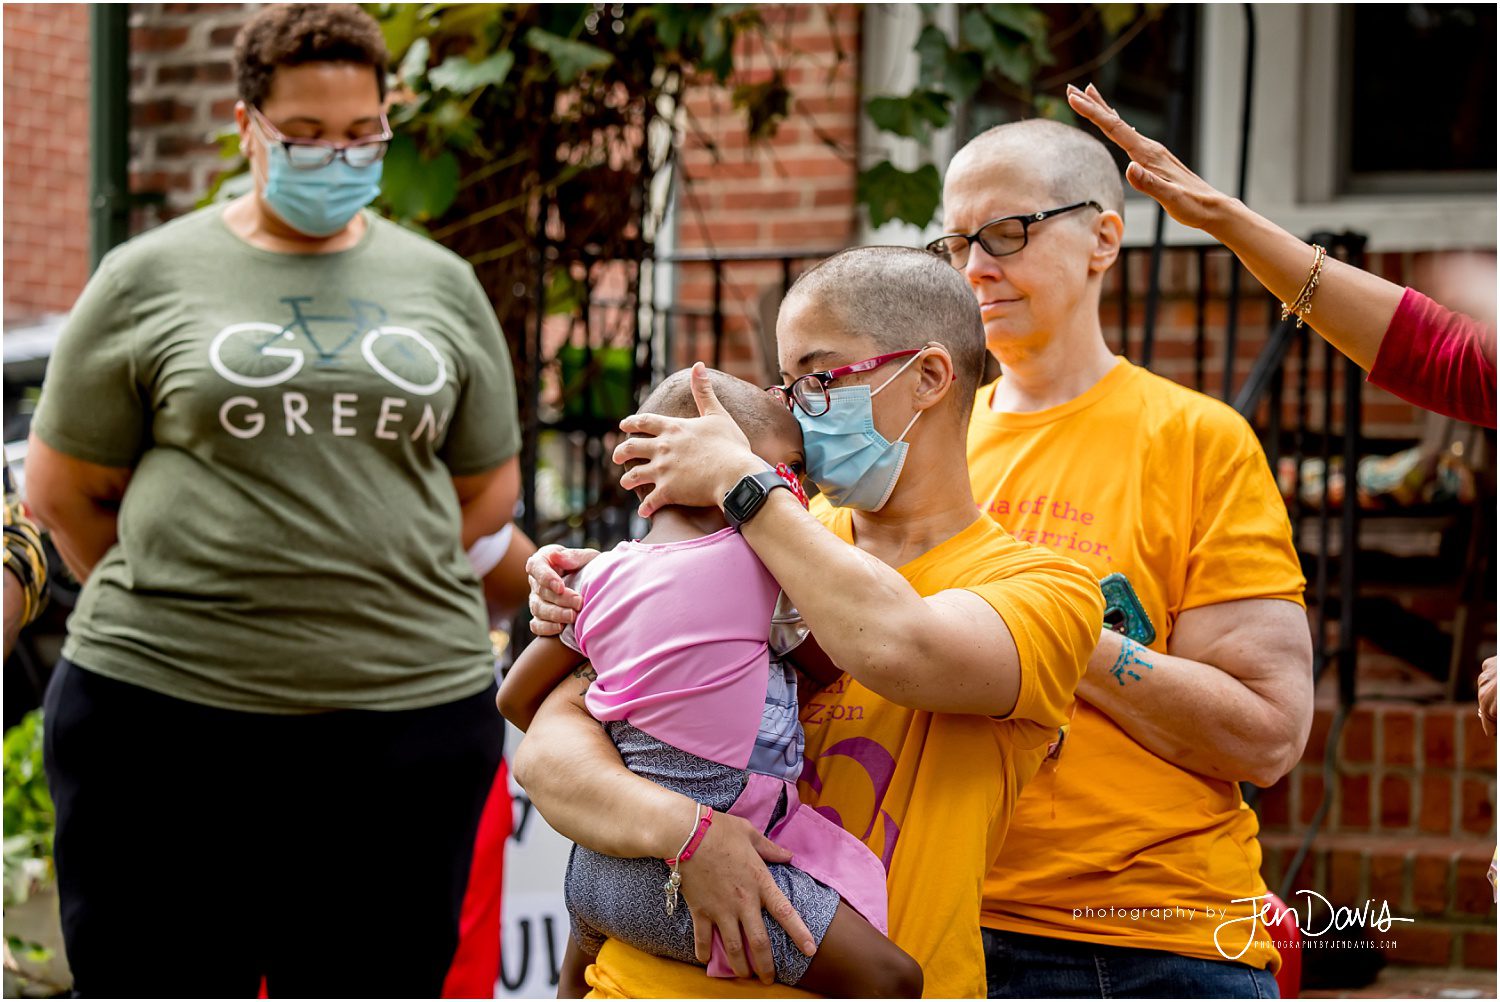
[(268, 432)]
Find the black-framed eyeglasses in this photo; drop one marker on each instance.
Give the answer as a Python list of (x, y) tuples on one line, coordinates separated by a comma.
[(998, 237), (310, 154)]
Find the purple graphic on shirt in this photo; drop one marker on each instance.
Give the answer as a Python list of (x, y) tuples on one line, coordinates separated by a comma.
[(881, 768)]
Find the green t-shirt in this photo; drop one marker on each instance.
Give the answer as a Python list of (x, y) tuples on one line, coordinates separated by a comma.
[(289, 541)]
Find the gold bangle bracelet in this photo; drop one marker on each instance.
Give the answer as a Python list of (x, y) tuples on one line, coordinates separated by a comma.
[(1302, 305)]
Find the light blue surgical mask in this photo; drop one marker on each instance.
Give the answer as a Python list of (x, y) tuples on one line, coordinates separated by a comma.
[(852, 463), (319, 201)]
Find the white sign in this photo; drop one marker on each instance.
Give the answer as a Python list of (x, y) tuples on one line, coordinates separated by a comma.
[(534, 921)]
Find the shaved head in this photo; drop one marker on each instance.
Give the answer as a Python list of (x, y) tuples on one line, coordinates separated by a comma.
[(757, 412), (899, 298), (1072, 164), (774, 434)]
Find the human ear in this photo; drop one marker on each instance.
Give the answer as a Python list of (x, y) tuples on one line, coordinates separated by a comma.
[(242, 125), (935, 376), (1109, 235)]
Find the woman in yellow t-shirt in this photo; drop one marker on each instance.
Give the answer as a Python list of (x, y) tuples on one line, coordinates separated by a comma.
[(962, 645)]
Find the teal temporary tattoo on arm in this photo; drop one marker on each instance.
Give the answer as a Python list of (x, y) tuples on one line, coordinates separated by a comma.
[(1131, 653)]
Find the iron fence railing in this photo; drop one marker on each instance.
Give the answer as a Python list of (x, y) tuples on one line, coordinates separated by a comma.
[(584, 372)]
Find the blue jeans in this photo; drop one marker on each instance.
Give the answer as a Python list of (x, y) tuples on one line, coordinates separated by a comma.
[(1027, 967)]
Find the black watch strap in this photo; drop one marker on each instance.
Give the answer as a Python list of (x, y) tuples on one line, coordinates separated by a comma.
[(749, 495)]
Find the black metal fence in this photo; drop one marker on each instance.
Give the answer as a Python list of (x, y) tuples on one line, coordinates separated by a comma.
[(632, 326)]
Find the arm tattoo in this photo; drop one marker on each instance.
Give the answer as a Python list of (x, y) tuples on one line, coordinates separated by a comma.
[(585, 672), (1131, 653)]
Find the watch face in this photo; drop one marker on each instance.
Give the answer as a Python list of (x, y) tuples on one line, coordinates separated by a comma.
[(743, 497)]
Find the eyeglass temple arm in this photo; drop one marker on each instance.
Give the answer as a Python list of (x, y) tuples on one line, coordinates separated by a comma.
[(868, 364)]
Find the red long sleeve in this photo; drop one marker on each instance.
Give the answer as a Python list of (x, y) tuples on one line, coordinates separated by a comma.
[(1439, 360)]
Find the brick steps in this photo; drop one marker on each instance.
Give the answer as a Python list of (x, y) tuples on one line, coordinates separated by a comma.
[(1440, 882), (1401, 769), (1411, 822)]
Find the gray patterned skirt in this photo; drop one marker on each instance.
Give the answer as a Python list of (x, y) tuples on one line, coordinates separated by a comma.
[(612, 898)]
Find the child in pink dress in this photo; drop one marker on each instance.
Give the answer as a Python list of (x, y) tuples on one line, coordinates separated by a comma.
[(675, 628)]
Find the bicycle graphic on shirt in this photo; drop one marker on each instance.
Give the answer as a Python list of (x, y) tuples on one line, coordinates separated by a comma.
[(243, 352)]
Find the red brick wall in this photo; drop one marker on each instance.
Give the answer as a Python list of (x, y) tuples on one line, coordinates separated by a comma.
[(181, 95), (46, 121), (794, 193)]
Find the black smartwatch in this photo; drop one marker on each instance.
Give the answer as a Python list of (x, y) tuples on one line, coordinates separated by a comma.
[(747, 496)]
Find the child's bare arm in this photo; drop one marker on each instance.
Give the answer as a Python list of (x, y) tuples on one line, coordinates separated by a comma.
[(543, 664), (571, 983)]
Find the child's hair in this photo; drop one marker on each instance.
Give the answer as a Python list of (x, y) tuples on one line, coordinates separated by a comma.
[(753, 409), (757, 412)]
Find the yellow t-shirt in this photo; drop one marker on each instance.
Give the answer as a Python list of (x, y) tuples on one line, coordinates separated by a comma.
[(929, 793), (1142, 476)]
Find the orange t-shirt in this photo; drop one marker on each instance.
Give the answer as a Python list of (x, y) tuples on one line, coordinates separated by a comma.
[(1142, 476), (929, 793)]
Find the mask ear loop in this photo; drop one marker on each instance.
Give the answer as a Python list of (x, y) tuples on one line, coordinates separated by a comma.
[(913, 421), (897, 376)]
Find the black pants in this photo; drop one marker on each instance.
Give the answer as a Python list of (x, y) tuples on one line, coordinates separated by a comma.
[(199, 850)]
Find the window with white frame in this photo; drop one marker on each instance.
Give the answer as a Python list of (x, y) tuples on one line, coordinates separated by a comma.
[(1373, 118)]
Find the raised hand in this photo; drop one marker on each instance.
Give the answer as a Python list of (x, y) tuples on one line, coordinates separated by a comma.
[(1487, 696), (1154, 170)]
